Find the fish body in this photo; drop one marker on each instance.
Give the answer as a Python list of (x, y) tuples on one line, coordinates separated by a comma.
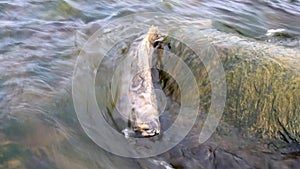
[(144, 114)]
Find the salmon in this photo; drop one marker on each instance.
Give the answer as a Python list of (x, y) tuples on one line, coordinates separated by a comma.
[(144, 115)]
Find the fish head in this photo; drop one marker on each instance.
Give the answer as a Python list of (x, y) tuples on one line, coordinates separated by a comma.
[(154, 36)]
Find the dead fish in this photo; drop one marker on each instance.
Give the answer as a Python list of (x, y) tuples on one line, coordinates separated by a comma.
[(144, 116)]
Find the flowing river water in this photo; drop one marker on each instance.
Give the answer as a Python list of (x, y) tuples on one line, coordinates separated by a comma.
[(40, 42)]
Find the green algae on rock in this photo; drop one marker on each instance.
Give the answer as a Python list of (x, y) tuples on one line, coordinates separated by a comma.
[(262, 81)]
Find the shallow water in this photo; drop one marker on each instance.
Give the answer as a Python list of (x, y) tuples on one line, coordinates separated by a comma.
[(40, 42)]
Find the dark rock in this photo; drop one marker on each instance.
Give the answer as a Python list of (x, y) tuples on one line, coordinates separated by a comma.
[(226, 160)]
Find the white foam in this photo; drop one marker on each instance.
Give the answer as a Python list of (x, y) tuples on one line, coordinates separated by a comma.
[(272, 32)]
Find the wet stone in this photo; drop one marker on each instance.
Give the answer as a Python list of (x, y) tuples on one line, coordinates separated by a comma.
[(292, 162), (225, 160), (204, 155)]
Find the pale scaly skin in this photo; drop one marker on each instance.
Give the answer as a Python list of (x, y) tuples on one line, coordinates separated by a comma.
[(144, 112)]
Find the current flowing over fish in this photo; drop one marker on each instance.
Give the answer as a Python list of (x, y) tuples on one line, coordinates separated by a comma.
[(144, 115)]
